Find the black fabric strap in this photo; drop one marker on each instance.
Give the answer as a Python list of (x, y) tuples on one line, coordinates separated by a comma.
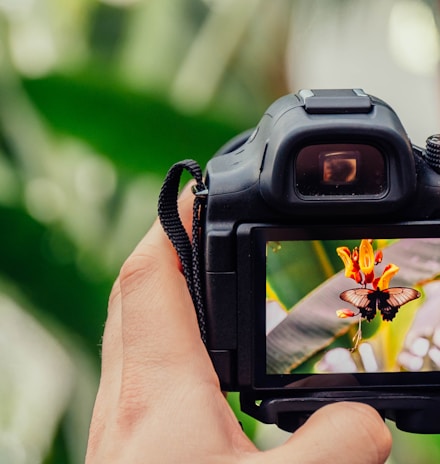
[(187, 250)]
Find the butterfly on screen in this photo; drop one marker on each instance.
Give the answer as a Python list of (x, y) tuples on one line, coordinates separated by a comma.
[(387, 301)]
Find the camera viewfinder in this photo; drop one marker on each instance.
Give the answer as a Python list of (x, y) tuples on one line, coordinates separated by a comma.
[(340, 169)]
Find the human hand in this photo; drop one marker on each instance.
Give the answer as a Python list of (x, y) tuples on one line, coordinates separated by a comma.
[(159, 398)]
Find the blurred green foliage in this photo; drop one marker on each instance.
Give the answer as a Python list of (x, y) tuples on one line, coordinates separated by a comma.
[(88, 128), (138, 132)]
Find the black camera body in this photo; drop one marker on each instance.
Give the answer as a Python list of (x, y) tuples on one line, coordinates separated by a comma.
[(325, 178)]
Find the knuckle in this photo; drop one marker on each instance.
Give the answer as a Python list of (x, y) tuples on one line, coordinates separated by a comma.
[(115, 294), (134, 401), (139, 269)]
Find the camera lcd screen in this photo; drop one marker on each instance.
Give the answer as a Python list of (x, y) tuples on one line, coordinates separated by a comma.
[(352, 306)]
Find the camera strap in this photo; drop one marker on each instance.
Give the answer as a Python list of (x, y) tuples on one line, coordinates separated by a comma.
[(187, 250)]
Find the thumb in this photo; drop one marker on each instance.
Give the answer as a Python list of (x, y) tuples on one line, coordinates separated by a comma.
[(346, 433)]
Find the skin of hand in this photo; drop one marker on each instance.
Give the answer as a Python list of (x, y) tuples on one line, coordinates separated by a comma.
[(159, 399)]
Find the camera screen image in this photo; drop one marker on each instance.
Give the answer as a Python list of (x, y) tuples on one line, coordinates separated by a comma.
[(352, 306)]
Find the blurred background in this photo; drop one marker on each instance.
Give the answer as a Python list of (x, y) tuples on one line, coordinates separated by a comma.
[(97, 100)]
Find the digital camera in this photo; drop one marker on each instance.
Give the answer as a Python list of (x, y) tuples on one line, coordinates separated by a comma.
[(320, 255)]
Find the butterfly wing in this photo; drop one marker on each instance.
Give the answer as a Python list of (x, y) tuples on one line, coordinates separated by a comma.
[(391, 299), (363, 298), (387, 301)]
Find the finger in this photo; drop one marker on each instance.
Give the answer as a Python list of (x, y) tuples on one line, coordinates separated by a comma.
[(151, 285), (185, 207), (111, 365), (346, 433), (111, 374), (159, 324)]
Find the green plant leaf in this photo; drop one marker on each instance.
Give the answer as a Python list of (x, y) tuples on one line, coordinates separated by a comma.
[(138, 132), (56, 287)]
